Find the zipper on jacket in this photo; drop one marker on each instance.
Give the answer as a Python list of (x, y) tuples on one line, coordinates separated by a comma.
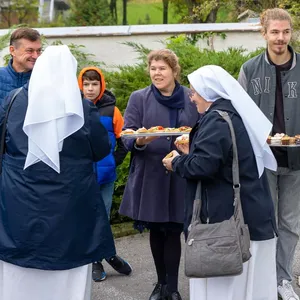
[(207, 219)]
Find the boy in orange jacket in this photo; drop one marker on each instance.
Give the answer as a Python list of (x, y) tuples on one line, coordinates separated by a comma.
[(92, 84)]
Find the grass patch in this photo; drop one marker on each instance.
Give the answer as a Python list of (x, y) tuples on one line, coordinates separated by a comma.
[(123, 229), (151, 12), (145, 12)]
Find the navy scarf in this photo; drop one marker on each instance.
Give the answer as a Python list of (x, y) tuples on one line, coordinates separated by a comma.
[(173, 102)]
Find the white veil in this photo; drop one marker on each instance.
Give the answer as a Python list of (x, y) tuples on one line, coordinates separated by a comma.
[(54, 109), (213, 82)]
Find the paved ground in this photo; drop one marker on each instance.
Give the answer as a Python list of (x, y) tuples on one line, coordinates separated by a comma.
[(139, 285), (297, 269)]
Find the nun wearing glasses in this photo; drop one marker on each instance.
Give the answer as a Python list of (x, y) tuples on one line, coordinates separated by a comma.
[(52, 224), (208, 158)]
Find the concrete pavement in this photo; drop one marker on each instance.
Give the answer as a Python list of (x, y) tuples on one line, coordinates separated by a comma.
[(138, 286)]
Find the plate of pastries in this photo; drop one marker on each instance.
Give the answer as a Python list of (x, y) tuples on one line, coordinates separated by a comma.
[(155, 131), (283, 140)]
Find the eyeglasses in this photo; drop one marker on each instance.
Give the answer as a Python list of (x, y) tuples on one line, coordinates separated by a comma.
[(191, 93)]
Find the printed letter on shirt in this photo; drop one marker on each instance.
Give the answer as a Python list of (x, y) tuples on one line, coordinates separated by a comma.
[(267, 85), (256, 86), (292, 89)]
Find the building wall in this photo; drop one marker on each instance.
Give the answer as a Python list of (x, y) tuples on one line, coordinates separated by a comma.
[(45, 16), (107, 42)]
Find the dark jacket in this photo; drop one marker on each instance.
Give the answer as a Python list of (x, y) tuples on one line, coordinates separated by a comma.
[(48, 220), (210, 160), (152, 193), (106, 168), (10, 80)]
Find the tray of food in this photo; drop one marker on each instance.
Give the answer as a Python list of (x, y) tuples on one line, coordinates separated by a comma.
[(155, 131), (283, 140)]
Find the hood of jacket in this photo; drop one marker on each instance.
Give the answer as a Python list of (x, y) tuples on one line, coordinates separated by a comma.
[(102, 81), (107, 99)]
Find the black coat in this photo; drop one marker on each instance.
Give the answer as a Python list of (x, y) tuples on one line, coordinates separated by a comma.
[(210, 160), (48, 220)]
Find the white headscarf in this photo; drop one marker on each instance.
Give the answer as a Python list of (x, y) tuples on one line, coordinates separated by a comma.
[(212, 83), (54, 109)]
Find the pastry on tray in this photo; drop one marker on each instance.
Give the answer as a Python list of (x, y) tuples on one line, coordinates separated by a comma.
[(285, 140), (185, 129), (142, 130), (292, 140), (277, 138), (156, 129), (169, 129), (128, 131)]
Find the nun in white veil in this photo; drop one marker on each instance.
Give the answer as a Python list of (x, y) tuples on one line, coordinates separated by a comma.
[(208, 158), (52, 223)]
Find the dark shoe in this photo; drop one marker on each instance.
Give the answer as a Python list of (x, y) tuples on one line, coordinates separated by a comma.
[(159, 292), (174, 296), (120, 265), (98, 273)]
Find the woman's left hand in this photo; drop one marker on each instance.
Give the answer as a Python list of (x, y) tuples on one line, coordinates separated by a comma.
[(167, 162)]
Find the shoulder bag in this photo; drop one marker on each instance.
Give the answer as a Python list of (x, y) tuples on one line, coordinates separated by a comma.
[(218, 249)]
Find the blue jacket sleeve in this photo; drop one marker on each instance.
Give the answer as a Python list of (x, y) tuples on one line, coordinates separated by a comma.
[(211, 146), (97, 134)]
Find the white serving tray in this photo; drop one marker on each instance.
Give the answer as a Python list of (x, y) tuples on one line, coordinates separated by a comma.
[(288, 146), (135, 135)]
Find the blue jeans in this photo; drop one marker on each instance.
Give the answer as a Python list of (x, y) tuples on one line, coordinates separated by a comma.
[(107, 191)]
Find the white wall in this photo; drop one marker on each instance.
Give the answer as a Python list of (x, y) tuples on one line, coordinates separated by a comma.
[(105, 42)]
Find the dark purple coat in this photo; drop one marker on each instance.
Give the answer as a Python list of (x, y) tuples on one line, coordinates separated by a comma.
[(152, 193)]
